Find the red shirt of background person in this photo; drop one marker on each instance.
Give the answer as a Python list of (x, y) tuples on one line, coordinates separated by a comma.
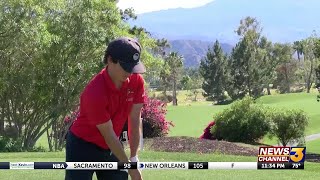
[(112, 97)]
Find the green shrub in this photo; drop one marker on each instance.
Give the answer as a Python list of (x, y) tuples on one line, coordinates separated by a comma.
[(244, 121), (288, 125), (11, 132), (168, 98), (8, 144), (3, 143)]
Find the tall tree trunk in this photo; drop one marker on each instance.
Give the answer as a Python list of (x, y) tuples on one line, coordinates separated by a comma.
[(49, 138), (1, 126), (284, 143), (268, 89), (165, 93), (195, 93), (309, 78), (308, 86), (287, 79), (1, 122), (174, 93), (249, 79)]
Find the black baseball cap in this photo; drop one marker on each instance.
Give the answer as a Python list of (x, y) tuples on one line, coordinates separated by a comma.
[(127, 52)]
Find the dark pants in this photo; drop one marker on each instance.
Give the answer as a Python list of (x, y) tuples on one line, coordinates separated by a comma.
[(78, 150)]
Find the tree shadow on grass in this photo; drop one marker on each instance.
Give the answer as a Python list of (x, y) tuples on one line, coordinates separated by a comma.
[(225, 102)]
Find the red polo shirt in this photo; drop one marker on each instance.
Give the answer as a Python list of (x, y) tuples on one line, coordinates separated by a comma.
[(101, 101)]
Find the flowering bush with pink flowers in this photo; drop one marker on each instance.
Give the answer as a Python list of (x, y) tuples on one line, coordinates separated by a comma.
[(154, 120), (56, 137), (72, 117), (206, 132)]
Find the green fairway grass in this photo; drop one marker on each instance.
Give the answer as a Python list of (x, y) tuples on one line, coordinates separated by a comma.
[(272, 141), (311, 170), (304, 101), (313, 146), (190, 120)]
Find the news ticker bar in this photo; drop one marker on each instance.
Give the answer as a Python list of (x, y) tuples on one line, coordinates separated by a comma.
[(150, 165)]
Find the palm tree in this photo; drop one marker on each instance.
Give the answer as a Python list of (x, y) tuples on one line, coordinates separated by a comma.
[(317, 48), (298, 47), (160, 49), (175, 63), (162, 45)]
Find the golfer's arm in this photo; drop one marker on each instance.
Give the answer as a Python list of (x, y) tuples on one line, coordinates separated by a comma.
[(134, 129), (106, 129)]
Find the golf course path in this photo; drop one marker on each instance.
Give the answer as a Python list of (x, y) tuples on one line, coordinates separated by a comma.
[(313, 137), (308, 138)]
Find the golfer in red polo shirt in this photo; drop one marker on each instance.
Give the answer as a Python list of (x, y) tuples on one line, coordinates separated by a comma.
[(113, 96)]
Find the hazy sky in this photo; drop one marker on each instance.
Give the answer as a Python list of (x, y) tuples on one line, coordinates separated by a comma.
[(142, 6)]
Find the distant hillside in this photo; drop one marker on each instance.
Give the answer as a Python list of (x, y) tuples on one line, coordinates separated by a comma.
[(282, 20), (194, 50)]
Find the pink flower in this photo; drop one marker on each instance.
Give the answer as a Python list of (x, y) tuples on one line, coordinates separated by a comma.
[(206, 133), (153, 113)]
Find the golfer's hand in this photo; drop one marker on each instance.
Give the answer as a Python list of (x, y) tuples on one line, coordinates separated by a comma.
[(135, 174)]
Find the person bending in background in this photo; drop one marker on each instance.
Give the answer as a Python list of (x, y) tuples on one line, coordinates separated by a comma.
[(113, 96)]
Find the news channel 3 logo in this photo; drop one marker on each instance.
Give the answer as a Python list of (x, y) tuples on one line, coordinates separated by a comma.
[(297, 154)]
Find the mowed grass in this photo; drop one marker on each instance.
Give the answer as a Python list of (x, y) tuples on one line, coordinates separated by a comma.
[(311, 170), (304, 101), (191, 118), (313, 146)]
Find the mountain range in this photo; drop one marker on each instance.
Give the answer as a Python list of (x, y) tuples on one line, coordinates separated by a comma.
[(194, 50), (281, 20)]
